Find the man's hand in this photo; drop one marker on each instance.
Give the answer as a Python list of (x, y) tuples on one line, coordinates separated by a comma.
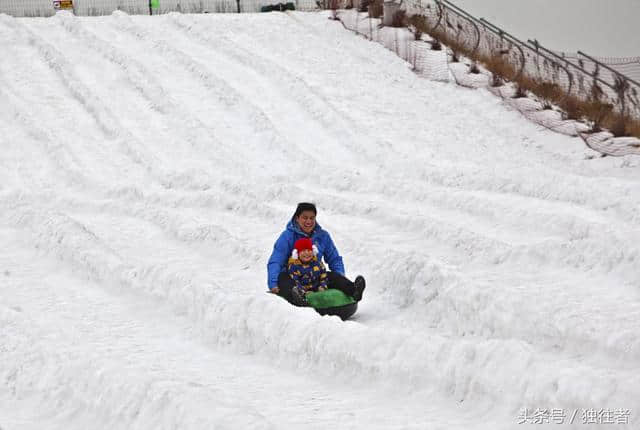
[(275, 290), (322, 288)]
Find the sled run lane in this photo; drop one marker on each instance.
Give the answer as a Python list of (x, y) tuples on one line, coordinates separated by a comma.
[(147, 165)]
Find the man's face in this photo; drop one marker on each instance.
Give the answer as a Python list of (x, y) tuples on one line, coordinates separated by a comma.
[(307, 221)]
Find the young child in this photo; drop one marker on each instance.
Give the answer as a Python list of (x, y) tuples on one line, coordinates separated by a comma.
[(307, 272)]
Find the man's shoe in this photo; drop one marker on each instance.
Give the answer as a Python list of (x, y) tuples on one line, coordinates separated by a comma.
[(359, 284), (298, 298)]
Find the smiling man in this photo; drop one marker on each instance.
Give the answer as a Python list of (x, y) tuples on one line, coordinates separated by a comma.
[(303, 225)]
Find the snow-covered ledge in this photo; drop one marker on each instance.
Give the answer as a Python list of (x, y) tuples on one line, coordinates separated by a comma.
[(605, 143)]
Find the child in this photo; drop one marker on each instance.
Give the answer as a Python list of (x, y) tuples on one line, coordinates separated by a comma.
[(307, 272)]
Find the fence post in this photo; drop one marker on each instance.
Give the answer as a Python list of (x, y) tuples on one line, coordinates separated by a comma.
[(512, 40), (606, 66), (154, 4), (440, 8), (469, 18), (539, 47)]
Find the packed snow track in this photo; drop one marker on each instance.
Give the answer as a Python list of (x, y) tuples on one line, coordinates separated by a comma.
[(147, 165)]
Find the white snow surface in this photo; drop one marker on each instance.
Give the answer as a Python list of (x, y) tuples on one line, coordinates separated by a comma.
[(148, 164)]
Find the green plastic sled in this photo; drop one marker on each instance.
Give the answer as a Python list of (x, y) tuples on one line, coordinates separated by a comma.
[(332, 302)]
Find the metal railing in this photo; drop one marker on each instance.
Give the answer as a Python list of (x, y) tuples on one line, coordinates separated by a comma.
[(581, 76)]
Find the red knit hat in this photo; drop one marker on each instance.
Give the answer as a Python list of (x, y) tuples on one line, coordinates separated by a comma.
[(304, 243)]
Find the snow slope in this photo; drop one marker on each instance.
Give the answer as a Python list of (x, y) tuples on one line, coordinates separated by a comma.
[(149, 163)]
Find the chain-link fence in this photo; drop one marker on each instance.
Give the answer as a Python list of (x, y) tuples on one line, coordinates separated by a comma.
[(107, 7), (577, 95), (27, 8), (45, 8), (194, 6), (530, 65), (627, 66)]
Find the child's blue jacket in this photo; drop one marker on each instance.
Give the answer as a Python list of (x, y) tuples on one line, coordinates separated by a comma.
[(284, 245)]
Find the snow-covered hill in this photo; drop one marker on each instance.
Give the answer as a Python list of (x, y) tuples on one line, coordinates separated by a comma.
[(147, 165)]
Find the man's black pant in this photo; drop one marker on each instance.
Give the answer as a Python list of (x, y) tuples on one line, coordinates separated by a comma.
[(334, 280)]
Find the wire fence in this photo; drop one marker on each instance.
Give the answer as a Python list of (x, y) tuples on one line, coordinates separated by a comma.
[(573, 94), (584, 77), (27, 8), (107, 7), (627, 66), (46, 8)]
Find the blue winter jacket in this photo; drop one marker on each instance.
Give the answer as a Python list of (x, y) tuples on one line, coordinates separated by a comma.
[(284, 245)]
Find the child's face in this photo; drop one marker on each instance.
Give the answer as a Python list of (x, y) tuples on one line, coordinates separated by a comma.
[(306, 255)]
